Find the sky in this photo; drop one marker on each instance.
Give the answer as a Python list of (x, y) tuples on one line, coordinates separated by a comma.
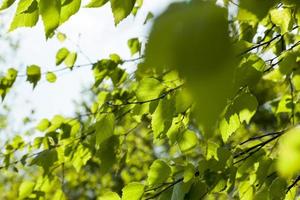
[(93, 30)]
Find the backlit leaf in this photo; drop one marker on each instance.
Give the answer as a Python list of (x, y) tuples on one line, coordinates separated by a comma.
[(45, 159), (133, 191), (27, 14), (134, 45), (158, 173), (96, 3), (61, 55), (110, 196), (149, 88), (50, 12), (26, 189), (69, 8), (282, 18), (104, 128), (187, 140), (6, 4), (70, 59), (121, 9), (51, 77), (33, 74)]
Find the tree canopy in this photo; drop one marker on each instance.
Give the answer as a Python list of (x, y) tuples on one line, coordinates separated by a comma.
[(211, 110)]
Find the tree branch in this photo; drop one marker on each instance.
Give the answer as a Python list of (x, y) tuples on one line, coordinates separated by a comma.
[(293, 184), (146, 101)]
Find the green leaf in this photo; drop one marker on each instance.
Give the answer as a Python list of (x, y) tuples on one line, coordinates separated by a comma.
[(249, 72), (187, 140), (158, 173), (26, 189), (50, 12), (51, 77), (6, 4), (70, 59), (174, 130), (241, 110), (289, 153), (69, 8), (43, 125), (80, 157), (61, 55), (189, 172), (184, 100), (285, 104), (110, 196), (27, 14), (104, 128), (134, 45), (180, 190), (229, 125), (121, 9), (45, 159), (108, 153), (259, 8), (33, 74), (148, 17), (96, 3), (282, 18), (7, 81), (277, 189), (148, 89), (289, 62), (162, 117), (133, 191), (197, 191)]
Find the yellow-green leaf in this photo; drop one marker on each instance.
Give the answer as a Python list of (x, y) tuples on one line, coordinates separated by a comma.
[(61, 55), (187, 140), (70, 59), (133, 191), (69, 8), (96, 3), (158, 173), (51, 77), (282, 18), (148, 89), (50, 12), (33, 74), (121, 9), (110, 196), (26, 189), (105, 128), (27, 14), (6, 4)]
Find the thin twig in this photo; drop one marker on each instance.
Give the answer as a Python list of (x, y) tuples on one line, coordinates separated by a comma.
[(146, 101), (293, 184), (165, 189), (261, 136)]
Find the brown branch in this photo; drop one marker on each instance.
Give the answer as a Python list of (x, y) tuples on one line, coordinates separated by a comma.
[(165, 189), (146, 101), (261, 136), (293, 184), (259, 146), (267, 43)]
